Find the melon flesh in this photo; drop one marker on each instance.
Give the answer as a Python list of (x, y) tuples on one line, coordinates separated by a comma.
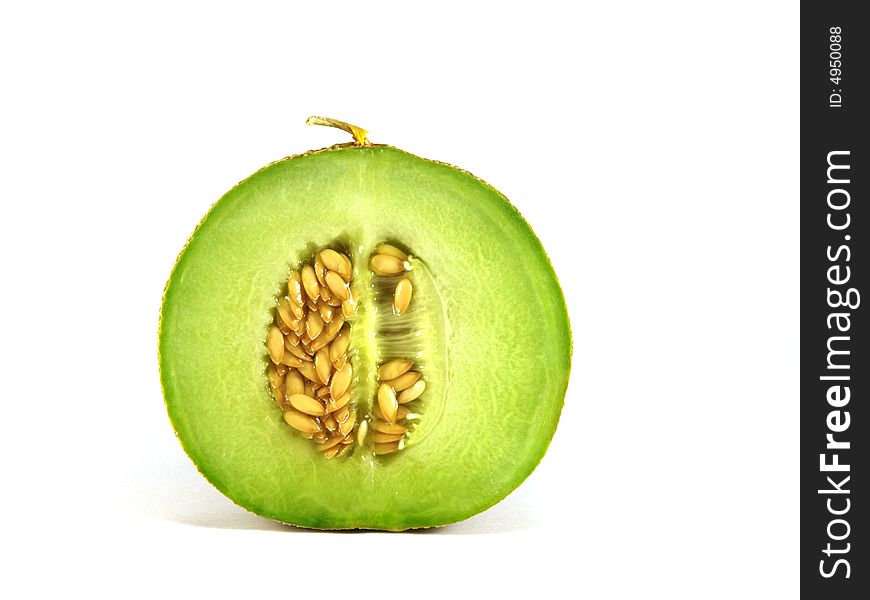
[(496, 342)]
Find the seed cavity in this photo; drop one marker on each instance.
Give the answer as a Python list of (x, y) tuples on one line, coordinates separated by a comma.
[(310, 372), (399, 381)]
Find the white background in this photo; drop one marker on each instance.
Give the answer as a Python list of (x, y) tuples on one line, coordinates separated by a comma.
[(652, 146)]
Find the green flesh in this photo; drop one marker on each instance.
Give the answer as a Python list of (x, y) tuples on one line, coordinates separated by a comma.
[(495, 343)]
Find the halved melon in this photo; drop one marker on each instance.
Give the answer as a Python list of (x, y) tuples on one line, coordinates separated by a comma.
[(486, 328)]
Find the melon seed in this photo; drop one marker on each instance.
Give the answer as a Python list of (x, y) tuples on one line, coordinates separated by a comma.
[(309, 282), (385, 438), (290, 360), (309, 372), (275, 344), (404, 381), (326, 311), (401, 414), (319, 271), (402, 296), (347, 426), (294, 383), (341, 380), (298, 351), (291, 339), (298, 311), (391, 250), (385, 427), (307, 405), (361, 432), (284, 312), (342, 414), (333, 452), (335, 325), (348, 307), (335, 404), (332, 442), (337, 285), (339, 345), (313, 324), (384, 264), (336, 262), (322, 365), (394, 368), (412, 393), (294, 289), (275, 380), (386, 448), (387, 402), (303, 423)]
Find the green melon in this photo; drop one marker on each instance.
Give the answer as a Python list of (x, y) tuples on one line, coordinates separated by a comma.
[(488, 325)]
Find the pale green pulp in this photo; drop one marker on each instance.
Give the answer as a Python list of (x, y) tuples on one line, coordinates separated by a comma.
[(497, 374)]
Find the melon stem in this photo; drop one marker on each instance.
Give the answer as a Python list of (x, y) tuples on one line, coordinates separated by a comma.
[(358, 133)]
